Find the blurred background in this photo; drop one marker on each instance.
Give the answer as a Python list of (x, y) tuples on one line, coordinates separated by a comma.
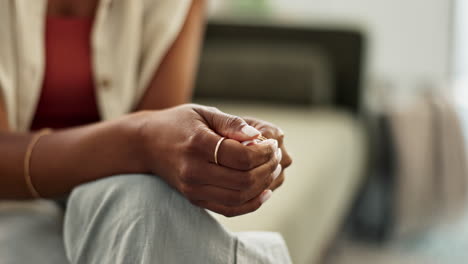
[(371, 95)]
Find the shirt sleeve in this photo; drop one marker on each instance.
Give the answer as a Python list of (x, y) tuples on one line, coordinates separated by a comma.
[(162, 23)]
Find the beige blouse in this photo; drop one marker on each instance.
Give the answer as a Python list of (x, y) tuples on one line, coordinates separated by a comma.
[(129, 40)]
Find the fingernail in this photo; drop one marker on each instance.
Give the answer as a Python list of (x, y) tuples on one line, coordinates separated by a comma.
[(277, 171), (251, 142), (279, 154), (247, 143), (250, 131), (265, 196), (273, 142)]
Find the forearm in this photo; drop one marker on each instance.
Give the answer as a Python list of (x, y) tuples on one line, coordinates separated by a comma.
[(67, 158)]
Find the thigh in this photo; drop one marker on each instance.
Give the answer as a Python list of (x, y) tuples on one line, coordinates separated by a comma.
[(31, 232)]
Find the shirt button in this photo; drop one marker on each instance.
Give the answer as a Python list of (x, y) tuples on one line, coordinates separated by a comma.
[(105, 84)]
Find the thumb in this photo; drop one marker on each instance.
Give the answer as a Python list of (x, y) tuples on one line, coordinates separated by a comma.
[(229, 126)]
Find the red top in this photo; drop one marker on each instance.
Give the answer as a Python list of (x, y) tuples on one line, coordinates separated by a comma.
[(67, 96)]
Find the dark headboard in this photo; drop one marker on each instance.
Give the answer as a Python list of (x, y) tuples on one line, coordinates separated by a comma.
[(295, 65)]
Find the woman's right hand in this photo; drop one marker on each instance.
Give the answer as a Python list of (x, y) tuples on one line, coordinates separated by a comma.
[(179, 145)]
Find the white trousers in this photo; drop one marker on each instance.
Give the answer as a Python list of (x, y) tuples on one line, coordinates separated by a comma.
[(127, 219)]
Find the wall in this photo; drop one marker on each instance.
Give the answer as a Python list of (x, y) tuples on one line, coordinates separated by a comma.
[(461, 53), (410, 40)]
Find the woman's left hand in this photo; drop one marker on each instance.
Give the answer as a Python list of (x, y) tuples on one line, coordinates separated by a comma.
[(270, 130)]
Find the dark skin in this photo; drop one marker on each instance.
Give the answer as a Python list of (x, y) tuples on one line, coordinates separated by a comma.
[(165, 137)]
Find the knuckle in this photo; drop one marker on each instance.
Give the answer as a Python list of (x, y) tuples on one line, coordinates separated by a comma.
[(187, 174), (194, 141), (272, 129), (250, 156), (280, 138), (266, 132), (191, 105), (272, 165), (233, 121), (246, 160), (269, 153), (213, 109), (287, 161)]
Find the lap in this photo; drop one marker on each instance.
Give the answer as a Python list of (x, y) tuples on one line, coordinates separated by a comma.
[(147, 205), (133, 210)]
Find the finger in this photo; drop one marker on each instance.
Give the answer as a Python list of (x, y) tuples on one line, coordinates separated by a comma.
[(231, 153), (259, 180), (272, 132), (227, 125), (231, 211), (279, 154), (268, 130), (237, 156), (286, 159), (226, 178), (277, 182)]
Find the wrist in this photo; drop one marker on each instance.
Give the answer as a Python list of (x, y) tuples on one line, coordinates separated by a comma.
[(134, 142)]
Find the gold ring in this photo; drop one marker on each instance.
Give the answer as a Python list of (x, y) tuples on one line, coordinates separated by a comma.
[(217, 149), (262, 138)]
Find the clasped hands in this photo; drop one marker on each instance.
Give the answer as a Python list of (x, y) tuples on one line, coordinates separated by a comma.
[(179, 145)]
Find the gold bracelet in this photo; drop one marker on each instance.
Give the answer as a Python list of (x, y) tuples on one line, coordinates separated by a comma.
[(27, 162)]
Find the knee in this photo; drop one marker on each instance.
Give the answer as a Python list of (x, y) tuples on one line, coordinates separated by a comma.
[(125, 195), (122, 208)]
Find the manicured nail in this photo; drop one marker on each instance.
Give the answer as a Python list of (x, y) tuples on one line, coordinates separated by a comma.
[(279, 154), (277, 171), (250, 131), (265, 196), (251, 142), (248, 143), (273, 142)]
